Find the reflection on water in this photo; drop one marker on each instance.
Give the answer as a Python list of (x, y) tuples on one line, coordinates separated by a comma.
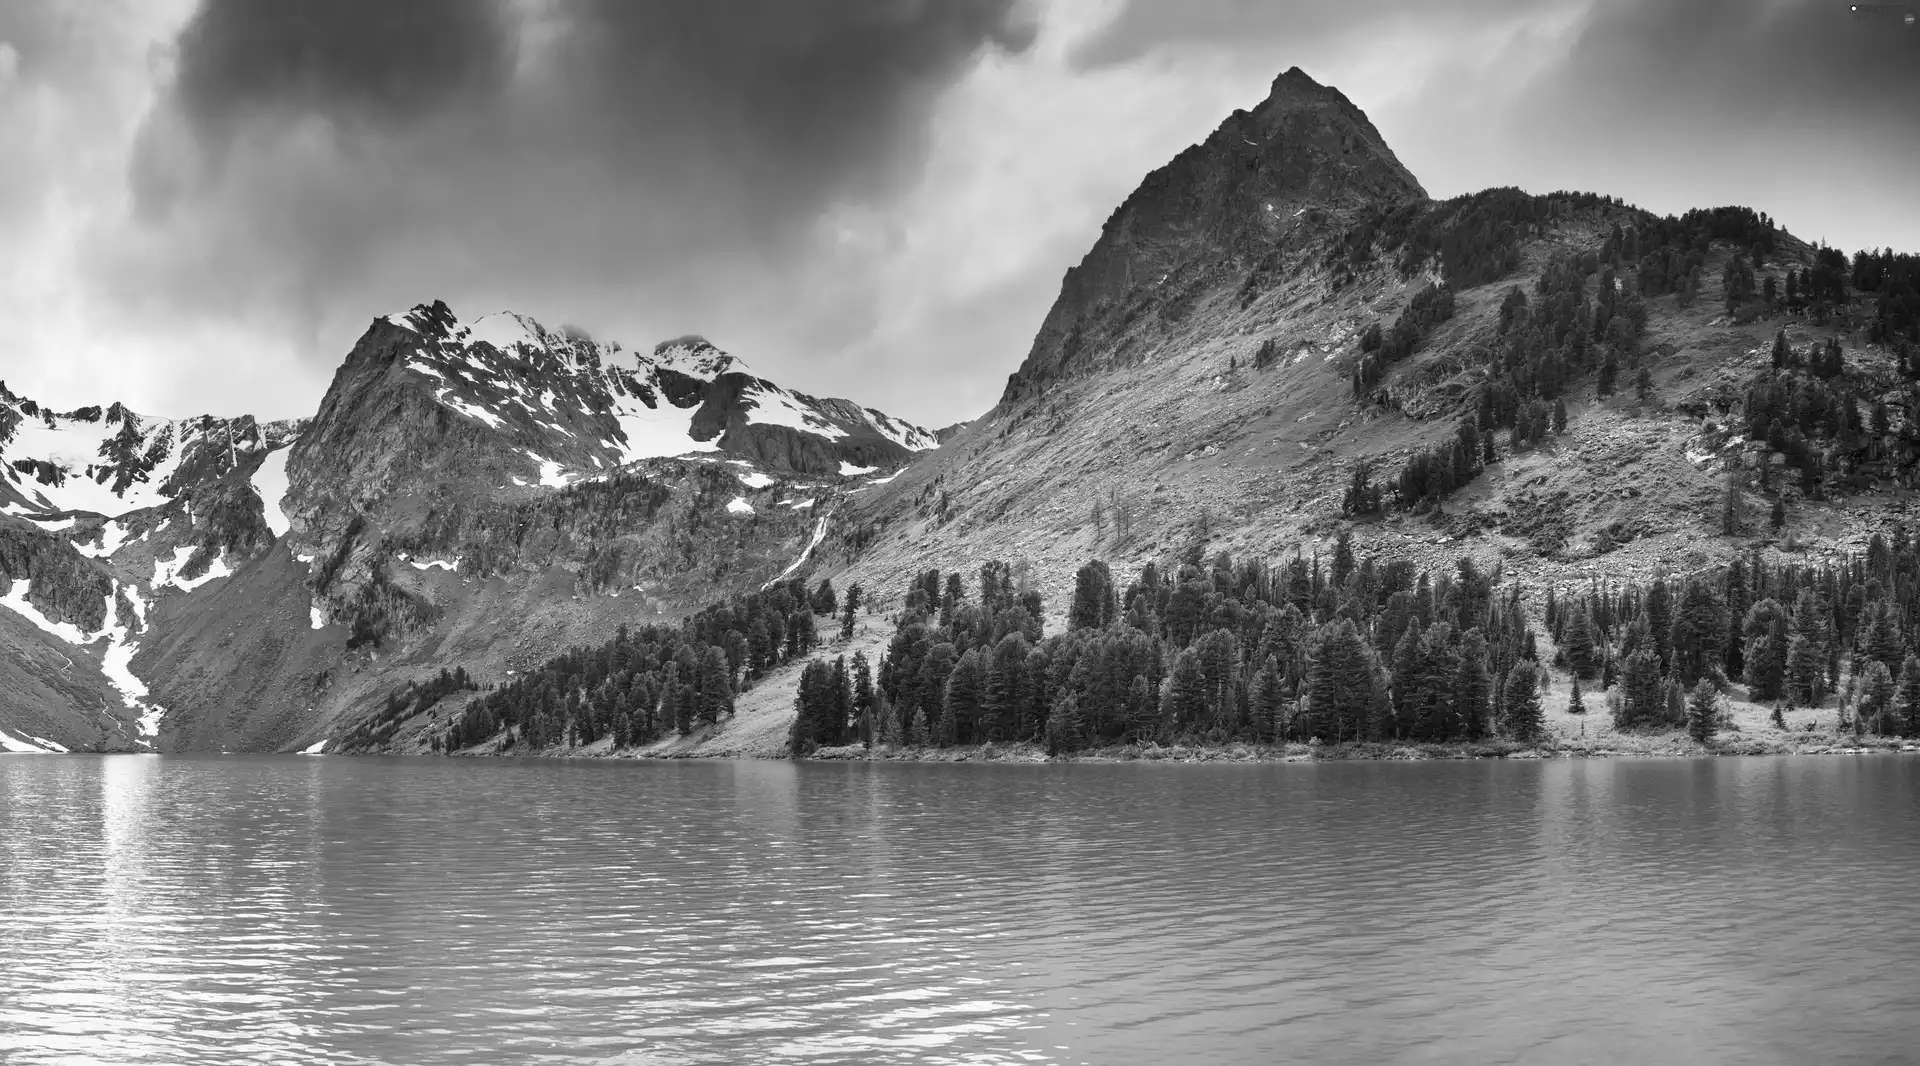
[(157, 909)]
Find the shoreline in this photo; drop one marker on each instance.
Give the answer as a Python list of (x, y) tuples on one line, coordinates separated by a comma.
[(1676, 745)]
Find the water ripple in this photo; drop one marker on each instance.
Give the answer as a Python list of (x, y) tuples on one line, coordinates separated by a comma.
[(163, 910)]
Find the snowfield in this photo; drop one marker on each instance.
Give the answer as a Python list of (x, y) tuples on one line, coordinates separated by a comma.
[(72, 446), (774, 406)]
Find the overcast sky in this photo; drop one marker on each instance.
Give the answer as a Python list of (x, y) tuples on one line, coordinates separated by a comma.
[(203, 204)]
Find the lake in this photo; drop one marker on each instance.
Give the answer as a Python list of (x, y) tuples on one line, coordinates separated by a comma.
[(415, 911)]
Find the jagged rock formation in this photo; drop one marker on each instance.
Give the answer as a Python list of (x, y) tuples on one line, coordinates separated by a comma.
[(220, 584)]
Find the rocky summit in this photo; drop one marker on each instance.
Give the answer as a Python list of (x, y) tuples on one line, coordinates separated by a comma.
[(1278, 339)]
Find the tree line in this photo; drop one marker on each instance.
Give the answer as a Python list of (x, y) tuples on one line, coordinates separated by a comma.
[(650, 681)]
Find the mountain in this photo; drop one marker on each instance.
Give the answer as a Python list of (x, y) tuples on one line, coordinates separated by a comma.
[(1281, 312), (1279, 339), (1301, 162), (219, 583)]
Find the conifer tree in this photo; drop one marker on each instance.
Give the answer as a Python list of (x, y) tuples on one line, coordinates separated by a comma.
[(1340, 681), (1699, 630), (1878, 698), (716, 687), (1575, 705), (1343, 561), (1642, 697), (1577, 639), (849, 609), (1806, 670), (1703, 712), (1525, 718), (1266, 698), (862, 684), (1906, 700), (917, 733), (1094, 604), (1473, 686), (1732, 506), (1063, 725)]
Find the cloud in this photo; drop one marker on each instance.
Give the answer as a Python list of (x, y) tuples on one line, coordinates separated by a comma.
[(642, 169), (205, 202), (1297, 26), (1790, 106)]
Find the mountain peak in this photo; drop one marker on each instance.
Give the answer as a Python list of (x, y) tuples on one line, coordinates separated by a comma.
[(1265, 183)]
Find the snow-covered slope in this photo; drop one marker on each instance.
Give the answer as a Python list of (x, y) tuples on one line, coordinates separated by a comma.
[(581, 407)]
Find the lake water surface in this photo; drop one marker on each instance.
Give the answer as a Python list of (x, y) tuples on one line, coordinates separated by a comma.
[(184, 910)]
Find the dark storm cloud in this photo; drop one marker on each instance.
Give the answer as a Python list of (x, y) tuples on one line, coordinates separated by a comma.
[(1742, 64), (1143, 25), (671, 163), (376, 59), (801, 97)]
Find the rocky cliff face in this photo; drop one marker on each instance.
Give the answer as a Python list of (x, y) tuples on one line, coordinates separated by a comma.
[(220, 584)]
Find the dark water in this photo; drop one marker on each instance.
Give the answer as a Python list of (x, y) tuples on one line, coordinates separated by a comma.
[(177, 910)]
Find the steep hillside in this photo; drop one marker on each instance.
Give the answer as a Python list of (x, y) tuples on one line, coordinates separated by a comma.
[(1281, 307), (466, 494)]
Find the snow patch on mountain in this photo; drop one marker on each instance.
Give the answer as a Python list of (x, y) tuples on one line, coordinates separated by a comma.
[(774, 406), (657, 433), (849, 470), (552, 474), (270, 483), (113, 536), (819, 534), (16, 601), (11, 743), (908, 436), (505, 330), (492, 420), (739, 505), (167, 572)]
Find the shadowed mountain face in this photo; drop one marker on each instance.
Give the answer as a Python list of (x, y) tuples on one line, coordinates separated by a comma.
[(1267, 181)]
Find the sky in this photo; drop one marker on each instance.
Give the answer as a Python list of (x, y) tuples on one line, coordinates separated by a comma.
[(203, 203)]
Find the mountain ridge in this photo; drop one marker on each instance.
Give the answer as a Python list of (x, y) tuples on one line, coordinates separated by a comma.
[(131, 546)]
